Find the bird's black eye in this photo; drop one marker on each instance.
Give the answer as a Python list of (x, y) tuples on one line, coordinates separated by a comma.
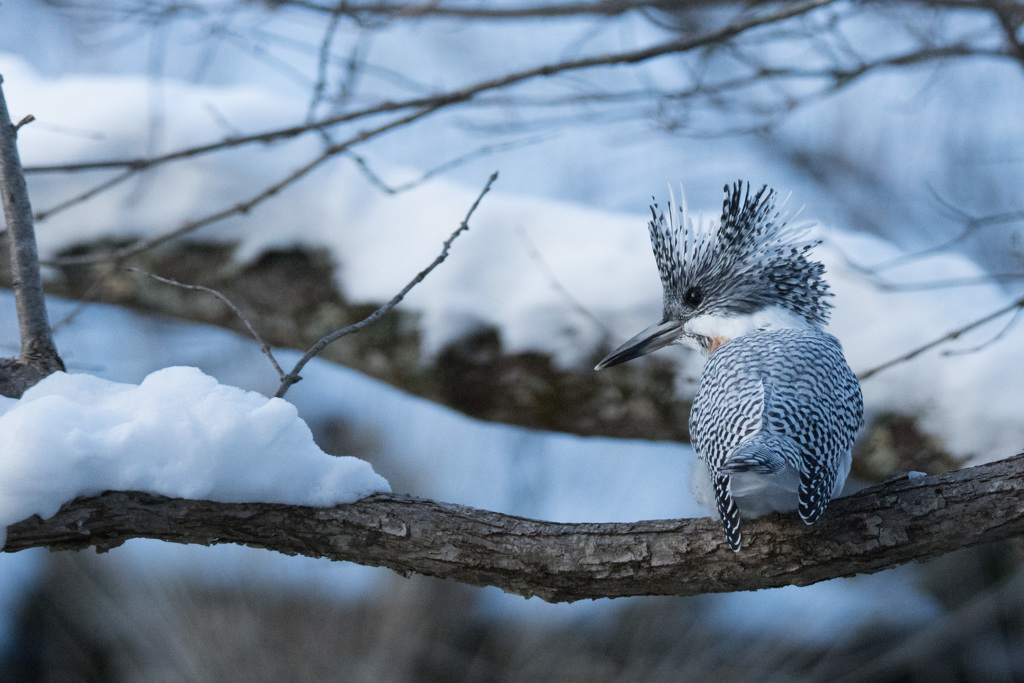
[(693, 297)]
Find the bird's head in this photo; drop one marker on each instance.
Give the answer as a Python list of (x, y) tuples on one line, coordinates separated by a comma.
[(750, 272)]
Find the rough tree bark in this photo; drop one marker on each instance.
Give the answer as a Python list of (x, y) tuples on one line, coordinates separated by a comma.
[(38, 352), (890, 524)]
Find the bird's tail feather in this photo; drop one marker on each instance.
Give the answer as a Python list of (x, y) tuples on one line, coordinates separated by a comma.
[(762, 453)]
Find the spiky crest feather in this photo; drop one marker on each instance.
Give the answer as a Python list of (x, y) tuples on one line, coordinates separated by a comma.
[(752, 260)]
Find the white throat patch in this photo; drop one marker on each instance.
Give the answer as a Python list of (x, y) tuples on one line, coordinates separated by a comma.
[(726, 328)]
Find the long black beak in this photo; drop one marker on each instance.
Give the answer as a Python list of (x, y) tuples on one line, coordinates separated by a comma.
[(651, 339)]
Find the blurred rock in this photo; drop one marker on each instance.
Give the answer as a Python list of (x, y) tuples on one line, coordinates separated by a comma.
[(893, 444)]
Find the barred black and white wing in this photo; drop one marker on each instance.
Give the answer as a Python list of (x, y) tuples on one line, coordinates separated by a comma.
[(775, 419)]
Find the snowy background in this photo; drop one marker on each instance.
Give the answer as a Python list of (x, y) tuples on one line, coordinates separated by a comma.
[(920, 150)]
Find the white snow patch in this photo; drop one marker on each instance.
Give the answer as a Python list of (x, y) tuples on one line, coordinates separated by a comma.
[(179, 433)]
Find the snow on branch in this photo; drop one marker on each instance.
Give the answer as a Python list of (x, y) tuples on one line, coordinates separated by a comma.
[(899, 521)]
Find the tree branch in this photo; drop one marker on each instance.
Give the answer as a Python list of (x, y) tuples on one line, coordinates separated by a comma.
[(467, 93), (38, 352), (264, 346), (292, 377), (899, 521), (949, 336), (245, 206), (404, 10)]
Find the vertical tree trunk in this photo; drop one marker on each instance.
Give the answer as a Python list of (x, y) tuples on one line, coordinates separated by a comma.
[(38, 352)]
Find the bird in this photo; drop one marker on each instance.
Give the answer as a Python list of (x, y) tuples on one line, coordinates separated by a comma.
[(778, 407)]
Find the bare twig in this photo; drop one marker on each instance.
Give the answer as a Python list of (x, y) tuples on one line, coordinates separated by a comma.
[(955, 334), (840, 76), (421, 107), (292, 377), (423, 10), (573, 303), (38, 352), (85, 196), (948, 283), (971, 225), (242, 207), (264, 346), (354, 66), (322, 64), (992, 340), (86, 298), (84, 303), (437, 101), (480, 152)]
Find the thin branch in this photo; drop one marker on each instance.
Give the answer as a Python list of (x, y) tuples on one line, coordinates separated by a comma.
[(988, 342), (955, 334), (437, 101), (323, 61), (899, 521), (971, 225), (423, 10), (38, 352), (292, 377), (242, 207), (573, 303), (448, 165), (751, 81), (264, 346), (85, 196), (950, 283), (354, 67), (86, 297)]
